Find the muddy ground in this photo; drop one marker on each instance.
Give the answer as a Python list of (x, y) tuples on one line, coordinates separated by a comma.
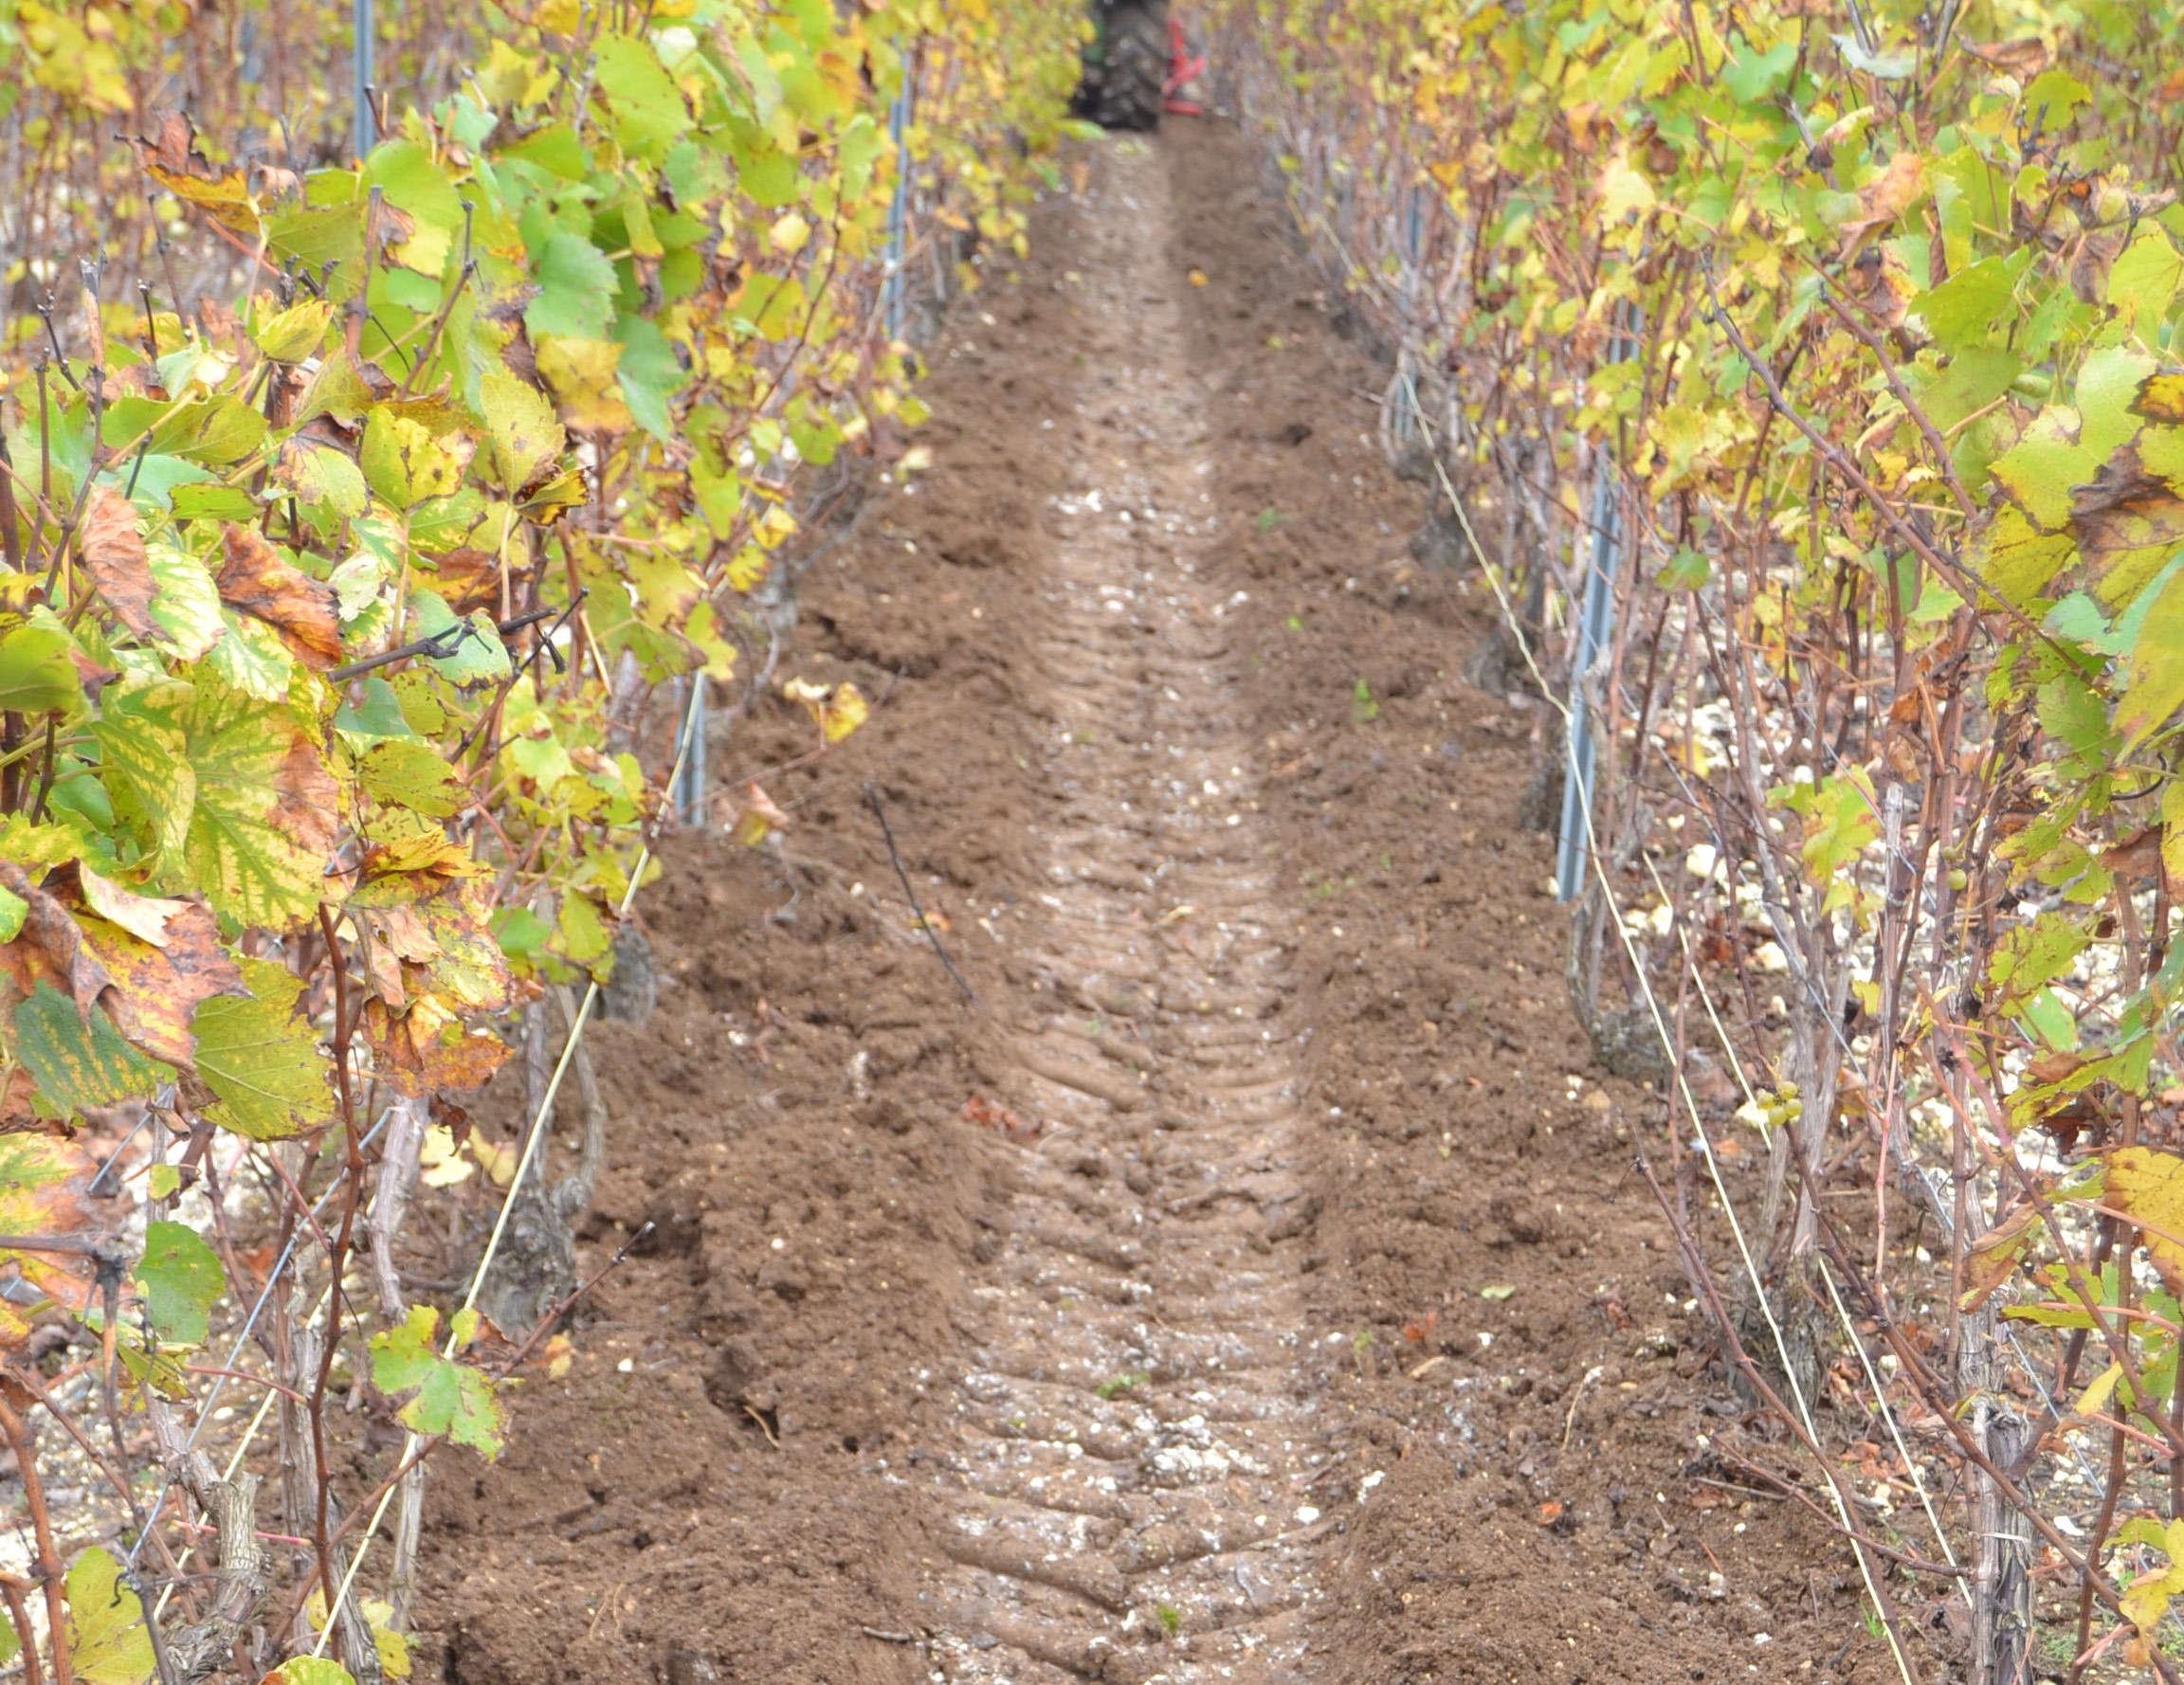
[(882, 1206)]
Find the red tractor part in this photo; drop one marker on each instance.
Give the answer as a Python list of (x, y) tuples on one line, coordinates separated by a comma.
[(1184, 67)]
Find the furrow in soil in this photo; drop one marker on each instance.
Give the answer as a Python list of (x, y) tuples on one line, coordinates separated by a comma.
[(1128, 1496)]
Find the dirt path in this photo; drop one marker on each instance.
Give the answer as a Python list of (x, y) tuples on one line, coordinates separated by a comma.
[(1136, 1431), (1134, 1323)]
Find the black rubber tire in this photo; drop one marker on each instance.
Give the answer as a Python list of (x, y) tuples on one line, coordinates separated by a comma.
[(1134, 67)]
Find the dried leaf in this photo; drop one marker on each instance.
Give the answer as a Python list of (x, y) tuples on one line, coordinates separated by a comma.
[(2022, 59), (759, 817), (152, 992), (256, 581), (1884, 198), (471, 579), (49, 947), (112, 552), (143, 917), (430, 1047), (2127, 515), (43, 1182), (1993, 1259), (171, 157)]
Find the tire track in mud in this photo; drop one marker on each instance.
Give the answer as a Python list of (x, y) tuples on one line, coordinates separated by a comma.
[(1129, 1495)]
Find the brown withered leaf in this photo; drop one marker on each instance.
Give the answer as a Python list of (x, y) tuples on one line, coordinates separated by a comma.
[(18, 1091), (49, 948), (988, 1115), (2071, 1118), (43, 1180), (383, 975), (171, 157), (2136, 855), (306, 801), (392, 936), (172, 145), (758, 817), (2127, 518), (1994, 1257), (471, 579), (255, 580), (410, 858), (2095, 256), (156, 991), (112, 552), (2023, 59), (2049, 1068), (430, 1047), (1878, 281), (1884, 198), (152, 992), (451, 1117)]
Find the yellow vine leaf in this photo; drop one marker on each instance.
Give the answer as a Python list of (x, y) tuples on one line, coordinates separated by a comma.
[(1993, 1259), (2148, 1187), (836, 709), (2095, 1398)]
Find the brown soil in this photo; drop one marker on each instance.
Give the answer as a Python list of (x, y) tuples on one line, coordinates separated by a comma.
[(1181, 1324)]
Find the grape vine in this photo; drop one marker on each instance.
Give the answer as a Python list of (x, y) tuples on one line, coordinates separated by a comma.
[(350, 511), (1841, 341)]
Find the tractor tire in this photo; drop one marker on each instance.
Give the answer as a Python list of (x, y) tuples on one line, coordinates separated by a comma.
[(1133, 68)]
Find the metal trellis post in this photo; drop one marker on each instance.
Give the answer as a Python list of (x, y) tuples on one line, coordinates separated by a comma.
[(366, 125), (1596, 623), (1593, 624), (1407, 415), (689, 792), (899, 208)]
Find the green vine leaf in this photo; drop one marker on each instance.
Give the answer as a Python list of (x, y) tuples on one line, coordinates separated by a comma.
[(182, 1280), (451, 1398), (575, 290), (36, 675), (78, 1059), (261, 1061), (107, 1640)]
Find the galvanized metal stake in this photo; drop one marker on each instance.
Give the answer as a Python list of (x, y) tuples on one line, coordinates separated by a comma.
[(689, 792), (899, 208), (1595, 621), (367, 122), (1407, 417)]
